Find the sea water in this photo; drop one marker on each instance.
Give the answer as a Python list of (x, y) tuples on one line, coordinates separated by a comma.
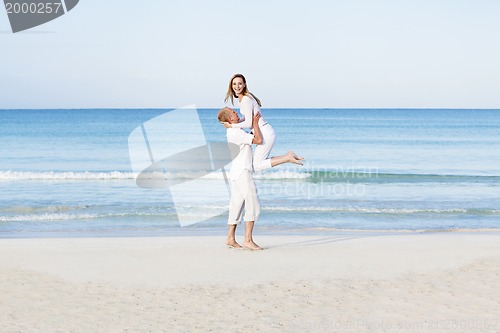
[(68, 173)]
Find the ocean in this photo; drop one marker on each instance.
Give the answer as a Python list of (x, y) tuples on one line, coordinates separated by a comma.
[(67, 173)]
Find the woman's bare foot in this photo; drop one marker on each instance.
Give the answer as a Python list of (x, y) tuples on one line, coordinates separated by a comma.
[(297, 157), (251, 246), (292, 158), (233, 244)]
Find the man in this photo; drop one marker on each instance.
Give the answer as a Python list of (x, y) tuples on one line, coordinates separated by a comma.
[(243, 190)]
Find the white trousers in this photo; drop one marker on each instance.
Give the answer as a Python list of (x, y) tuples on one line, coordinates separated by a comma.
[(261, 159), (243, 196)]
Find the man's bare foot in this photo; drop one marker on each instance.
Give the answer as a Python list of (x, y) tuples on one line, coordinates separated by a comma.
[(233, 244), (251, 246), (292, 158)]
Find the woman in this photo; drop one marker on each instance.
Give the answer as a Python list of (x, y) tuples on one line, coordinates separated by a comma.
[(249, 106)]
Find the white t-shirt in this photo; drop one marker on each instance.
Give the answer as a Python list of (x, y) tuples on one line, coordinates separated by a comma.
[(244, 159), (248, 108)]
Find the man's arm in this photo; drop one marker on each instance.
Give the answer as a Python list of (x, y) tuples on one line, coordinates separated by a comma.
[(257, 134)]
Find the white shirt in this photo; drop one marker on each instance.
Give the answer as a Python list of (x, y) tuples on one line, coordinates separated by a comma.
[(244, 159), (248, 108)]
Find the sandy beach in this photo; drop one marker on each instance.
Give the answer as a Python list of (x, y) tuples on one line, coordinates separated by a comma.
[(348, 282)]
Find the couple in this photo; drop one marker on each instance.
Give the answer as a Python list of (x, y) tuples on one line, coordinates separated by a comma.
[(243, 190)]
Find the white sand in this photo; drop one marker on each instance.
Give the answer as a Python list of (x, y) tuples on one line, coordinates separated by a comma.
[(352, 282)]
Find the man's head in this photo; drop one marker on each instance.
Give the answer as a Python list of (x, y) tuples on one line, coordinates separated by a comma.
[(228, 115)]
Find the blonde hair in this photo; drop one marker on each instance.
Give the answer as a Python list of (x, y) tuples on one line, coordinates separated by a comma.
[(223, 115), (230, 92)]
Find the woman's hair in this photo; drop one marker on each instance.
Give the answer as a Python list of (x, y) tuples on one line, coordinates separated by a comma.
[(230, 92)]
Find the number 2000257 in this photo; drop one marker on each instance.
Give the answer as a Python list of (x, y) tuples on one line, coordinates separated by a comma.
[(32, 8)]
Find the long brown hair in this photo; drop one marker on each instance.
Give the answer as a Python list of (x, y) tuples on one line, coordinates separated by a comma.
[(230, 92)]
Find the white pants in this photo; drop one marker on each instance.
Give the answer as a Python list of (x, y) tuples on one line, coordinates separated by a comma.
[(261, 159), (243, 196)]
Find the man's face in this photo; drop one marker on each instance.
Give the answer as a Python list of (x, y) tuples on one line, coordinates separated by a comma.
[(233, 116)]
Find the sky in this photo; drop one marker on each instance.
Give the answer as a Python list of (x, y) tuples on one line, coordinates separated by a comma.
[(294, 54)]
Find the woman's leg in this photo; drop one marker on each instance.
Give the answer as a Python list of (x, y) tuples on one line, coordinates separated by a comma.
[(261, 159), (290, 157)]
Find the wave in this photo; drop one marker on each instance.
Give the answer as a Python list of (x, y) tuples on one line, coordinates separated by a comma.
[(200, 211), (373, 176), (48, 217), (388, 211), (313, 176), (64, 175), (62, 213), (285, 174), (124, 175), (42, 210)]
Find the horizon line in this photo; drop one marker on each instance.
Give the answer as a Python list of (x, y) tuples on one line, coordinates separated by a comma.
[(276, 108)]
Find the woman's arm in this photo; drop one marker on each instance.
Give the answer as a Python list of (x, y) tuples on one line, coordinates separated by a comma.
[(247, 111)]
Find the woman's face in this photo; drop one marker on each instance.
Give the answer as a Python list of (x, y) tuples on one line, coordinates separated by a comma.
[(238, 85)]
